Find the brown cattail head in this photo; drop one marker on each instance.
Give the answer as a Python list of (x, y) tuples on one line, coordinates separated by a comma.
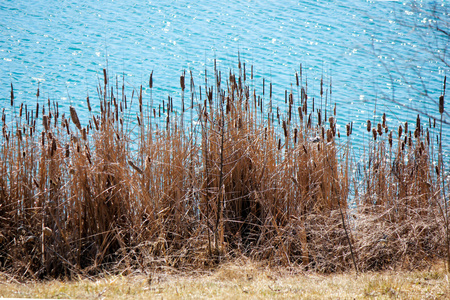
[(12, 95), (300, 113), (384, 120), (390, 138), (374, 133), (285, 129), (182, 82), (400, 131), (150, 81), (348, 129), (83, 134), (380, 129), (74, 116), (416, 132), (45, 122), (406, 127), (54, 147), (105, 78), (369, 125), (329, 135), (441, 104), (88, 103)]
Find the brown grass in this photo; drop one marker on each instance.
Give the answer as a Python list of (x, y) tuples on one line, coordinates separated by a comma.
[(242, 280), (229, 176)]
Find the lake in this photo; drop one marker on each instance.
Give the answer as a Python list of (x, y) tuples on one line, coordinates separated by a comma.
[(373, 52)]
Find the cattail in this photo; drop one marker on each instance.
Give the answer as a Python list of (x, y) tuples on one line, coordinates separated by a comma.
[(12, 95), (95, 122), (384, 120), (88, 156), (296, 77), (400, 131), (300, 114), (295, 135), (67, 150), (390, 138), (279, 144), (329, 135), (285, 129), (83, 134), (74, 116), (441, 104), (437, 170), (136, 168), (45, 122), (54, 147), (140, 100), (380, 129), (105, 78), (416, 132), (20, 110), (369, 125), (321, 86), (67, 127), (150, 81), (182, 82), (374, 133), (348, 129), (406, 127), (88, 103)]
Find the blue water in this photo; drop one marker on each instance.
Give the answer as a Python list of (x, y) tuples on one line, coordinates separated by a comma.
[(367, 48)]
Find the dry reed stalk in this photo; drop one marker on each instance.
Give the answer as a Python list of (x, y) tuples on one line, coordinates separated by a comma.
[(241, 184)]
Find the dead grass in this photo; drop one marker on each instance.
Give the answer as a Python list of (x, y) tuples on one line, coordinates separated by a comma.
[(243, 280)]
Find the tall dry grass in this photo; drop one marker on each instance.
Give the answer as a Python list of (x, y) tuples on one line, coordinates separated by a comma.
[(228, 175)]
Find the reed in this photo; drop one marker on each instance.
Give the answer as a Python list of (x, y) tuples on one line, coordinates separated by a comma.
[(224, 177)]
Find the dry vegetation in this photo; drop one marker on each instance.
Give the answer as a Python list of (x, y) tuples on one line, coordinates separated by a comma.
[(243, 280), (230, 175)]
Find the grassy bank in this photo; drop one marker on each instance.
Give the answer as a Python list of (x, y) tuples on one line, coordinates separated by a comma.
[(245, 280), (229, 175)]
